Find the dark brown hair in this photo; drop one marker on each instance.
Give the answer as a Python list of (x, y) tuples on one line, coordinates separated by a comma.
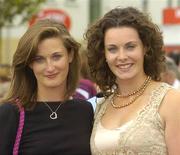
[(149, 34), (24, 83), (84, 69)]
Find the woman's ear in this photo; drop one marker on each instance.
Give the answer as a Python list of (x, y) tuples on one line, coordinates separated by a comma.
[(30, 66), (71, 56), (145, 49)]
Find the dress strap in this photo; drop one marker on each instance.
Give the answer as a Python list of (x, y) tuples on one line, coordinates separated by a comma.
[(20, 127), (159, 94), (99, 103)]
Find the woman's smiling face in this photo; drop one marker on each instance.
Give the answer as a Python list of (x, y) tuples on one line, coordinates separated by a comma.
[(51, 64), (124, 52)]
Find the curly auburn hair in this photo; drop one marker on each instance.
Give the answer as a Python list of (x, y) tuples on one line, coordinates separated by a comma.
[(149, 34)]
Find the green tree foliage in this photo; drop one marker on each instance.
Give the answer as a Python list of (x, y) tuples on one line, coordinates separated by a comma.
[(9, 9)]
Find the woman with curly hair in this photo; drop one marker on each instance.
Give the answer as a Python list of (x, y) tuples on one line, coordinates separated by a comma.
[(139, 113)]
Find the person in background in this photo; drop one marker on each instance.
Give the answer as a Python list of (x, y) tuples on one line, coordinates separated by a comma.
[(171, 75), (86, 88), (4, 79), (139, 114), (175, 55), (45, 75)]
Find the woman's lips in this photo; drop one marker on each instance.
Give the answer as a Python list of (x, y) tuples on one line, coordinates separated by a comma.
[(51, 76), (124, 66)]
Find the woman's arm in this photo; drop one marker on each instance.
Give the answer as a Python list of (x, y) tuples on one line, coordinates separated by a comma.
[(171, 112), (8, 127)]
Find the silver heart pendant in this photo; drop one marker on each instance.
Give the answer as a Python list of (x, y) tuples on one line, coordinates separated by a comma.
[(53, 115)]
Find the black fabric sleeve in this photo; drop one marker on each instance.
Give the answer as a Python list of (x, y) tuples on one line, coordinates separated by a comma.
[(91, 115), (91, 112), (9, 119), (89, 109)]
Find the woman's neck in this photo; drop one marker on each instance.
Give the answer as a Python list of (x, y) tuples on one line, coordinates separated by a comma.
[(130, 85), (51, 94)]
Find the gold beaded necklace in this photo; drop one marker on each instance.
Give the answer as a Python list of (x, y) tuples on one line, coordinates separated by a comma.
[(138, 93)]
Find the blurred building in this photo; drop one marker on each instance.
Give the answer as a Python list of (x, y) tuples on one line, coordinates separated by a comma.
[(80, 13)]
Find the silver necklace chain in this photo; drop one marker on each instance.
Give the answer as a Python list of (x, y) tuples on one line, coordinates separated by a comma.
[(53, 114)]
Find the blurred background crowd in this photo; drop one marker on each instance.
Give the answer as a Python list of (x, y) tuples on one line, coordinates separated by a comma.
[(77, 15)]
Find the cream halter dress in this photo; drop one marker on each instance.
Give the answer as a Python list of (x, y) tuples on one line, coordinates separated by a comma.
[(144, 135)]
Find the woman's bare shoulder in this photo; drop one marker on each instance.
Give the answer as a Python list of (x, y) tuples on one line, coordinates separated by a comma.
[(170, 109)]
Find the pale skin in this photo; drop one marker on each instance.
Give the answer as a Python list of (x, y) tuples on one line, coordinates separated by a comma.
[(124, 52), (51, 67), (170, 112)]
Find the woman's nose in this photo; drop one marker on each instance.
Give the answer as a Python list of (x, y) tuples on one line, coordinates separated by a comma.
[(50, 65), (122, 54)]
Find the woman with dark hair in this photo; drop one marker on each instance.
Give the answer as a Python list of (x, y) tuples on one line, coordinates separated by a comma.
[(45, 75), (139, 114)]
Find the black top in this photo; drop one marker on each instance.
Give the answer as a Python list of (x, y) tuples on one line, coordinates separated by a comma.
[(69, 134)]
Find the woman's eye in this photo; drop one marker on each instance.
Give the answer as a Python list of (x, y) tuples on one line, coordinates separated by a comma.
[(38, 59), (130, 47), (56, 57), (111, 49)]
